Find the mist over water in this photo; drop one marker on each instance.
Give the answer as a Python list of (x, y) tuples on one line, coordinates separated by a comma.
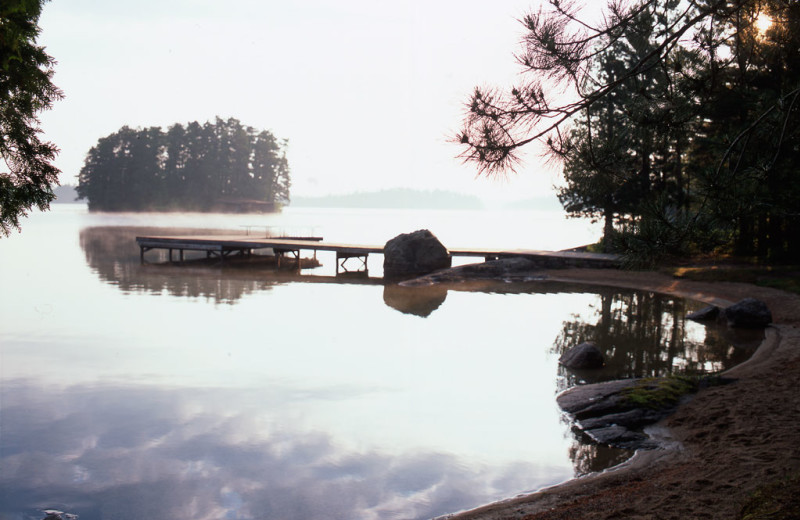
[(157, 391)]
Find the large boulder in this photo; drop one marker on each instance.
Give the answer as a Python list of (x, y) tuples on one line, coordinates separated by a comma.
[(585, 356), (710, 313), (414, 254), (748, 313)]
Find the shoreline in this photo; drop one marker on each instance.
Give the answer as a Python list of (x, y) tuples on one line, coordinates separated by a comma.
[(728, 440)]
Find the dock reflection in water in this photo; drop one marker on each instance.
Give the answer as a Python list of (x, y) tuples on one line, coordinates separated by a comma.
[(250, 393)]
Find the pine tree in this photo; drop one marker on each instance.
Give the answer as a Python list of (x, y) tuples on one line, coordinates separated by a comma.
[(27, 175), (680, 125)]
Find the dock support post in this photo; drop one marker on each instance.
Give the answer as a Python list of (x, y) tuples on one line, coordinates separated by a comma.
[(342, 258), (142, 251), (280, 253)]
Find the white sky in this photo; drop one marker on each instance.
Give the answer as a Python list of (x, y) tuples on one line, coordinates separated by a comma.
[(368, 93)]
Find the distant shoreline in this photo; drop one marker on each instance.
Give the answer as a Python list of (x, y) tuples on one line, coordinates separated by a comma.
[(66, 194), (405, 198), (396, 198)]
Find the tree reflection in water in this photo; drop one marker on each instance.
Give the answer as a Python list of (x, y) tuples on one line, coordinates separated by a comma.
[(591, 458), (113, 254), (645, 334)]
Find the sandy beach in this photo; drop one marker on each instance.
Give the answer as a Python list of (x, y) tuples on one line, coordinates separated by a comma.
[(726, 441)]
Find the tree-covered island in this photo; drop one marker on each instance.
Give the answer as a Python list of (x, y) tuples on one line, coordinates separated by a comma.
[(217, 166)]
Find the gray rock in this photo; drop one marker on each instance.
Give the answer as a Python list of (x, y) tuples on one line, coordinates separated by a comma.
[(515, 268), (595, 399), (614, 435), (632, 419), (620, 437), (603, 413), (585, 356), (414, 254), (748, 313), (496, 268), (710, 313)]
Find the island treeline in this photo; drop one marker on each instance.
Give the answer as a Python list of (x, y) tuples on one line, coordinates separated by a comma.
[(681, 129), (220, 165)]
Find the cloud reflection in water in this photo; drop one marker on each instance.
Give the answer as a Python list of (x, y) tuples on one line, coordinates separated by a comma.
[(144, 452)]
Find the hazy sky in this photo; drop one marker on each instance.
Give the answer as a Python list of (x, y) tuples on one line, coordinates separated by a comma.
[(368, 93)]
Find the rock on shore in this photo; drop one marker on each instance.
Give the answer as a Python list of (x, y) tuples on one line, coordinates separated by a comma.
[(585, 356), (615, 413), (602, 412), (414, 254), (749, 313)]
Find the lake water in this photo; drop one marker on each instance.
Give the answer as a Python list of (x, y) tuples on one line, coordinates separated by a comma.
[(161, 392)]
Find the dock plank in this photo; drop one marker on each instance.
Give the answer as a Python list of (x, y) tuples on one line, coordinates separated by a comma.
[(249, 242)]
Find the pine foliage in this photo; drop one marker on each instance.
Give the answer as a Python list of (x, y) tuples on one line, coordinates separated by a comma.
[(27, 173), (677, 122)]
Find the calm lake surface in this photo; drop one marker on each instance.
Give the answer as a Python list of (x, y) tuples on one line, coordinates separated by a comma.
[(161, 392)]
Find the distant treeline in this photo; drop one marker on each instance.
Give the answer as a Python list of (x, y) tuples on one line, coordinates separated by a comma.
[(194, 167), (65, 194)]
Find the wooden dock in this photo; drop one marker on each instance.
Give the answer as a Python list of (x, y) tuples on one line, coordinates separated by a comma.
[(222, 246)]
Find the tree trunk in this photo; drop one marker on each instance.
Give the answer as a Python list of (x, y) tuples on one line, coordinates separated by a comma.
[(762, 237), (775, 241), (681, 196), (608, 230), (792, 238), (744, 237)]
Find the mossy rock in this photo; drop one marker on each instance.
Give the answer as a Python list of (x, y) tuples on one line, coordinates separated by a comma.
[(613, 413), (661, 393)]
